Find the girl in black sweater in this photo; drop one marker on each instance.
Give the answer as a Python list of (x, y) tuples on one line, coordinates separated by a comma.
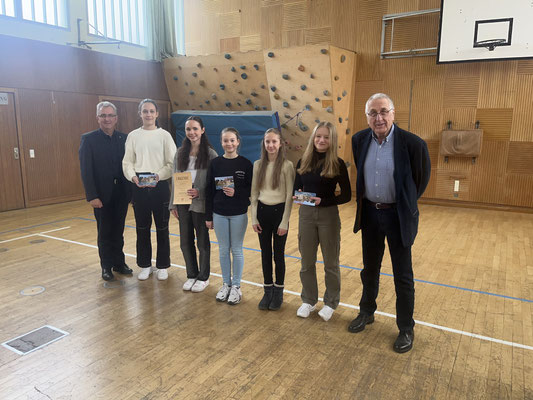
[(319, 171)]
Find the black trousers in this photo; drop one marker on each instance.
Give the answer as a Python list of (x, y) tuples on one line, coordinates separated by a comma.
[(110, 225), (376, 225), (191, 222), (147, 202), (269, 217)]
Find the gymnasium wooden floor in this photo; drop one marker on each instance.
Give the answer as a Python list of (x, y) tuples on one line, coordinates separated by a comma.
[(151, 340)]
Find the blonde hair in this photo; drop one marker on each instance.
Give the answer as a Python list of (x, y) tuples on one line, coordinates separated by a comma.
[(278, 164), (310, 160)]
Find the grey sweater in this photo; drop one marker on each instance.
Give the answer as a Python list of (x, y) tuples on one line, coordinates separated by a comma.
[(200, 182)]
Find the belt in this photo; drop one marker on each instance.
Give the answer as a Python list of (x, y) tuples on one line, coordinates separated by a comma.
[(380, 206)]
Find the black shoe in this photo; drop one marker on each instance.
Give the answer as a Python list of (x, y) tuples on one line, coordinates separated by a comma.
[(358, 324), (404, 342), (123, 269), (107, 275), (277, 298), (267, 298)]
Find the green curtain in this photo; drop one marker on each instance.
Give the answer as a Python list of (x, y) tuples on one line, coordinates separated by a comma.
[(163, 29)]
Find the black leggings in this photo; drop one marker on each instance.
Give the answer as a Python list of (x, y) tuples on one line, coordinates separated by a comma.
[(269, 217)]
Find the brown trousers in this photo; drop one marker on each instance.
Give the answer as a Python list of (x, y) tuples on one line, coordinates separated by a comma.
[(320, 225)]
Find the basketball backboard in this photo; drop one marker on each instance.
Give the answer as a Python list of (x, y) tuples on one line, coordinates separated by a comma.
[(481, 30)]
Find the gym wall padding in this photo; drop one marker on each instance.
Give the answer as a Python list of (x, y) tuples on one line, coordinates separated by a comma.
[(250, 124)]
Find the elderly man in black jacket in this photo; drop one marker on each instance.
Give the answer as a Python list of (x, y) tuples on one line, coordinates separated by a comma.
[(106, 188), (393, 169)]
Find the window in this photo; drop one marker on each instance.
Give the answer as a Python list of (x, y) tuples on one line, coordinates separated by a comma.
[(117, 19), (50, 12)]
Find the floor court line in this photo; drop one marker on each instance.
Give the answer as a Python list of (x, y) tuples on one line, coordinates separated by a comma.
[(34, 234), (381, 273), (418, 322)]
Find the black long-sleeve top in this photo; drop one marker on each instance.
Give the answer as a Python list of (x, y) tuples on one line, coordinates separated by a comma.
[(216, 201), (325, 187)]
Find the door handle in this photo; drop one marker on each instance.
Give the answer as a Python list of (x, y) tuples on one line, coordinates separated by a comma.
[(16, 153)]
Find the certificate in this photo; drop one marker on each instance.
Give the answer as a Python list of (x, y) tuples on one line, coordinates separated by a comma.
[(182, 182)]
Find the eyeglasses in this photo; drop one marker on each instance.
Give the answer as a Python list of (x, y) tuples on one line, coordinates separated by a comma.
[(382, 113), (107, 116)]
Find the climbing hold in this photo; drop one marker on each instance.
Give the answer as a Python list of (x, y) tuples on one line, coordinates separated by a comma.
[(194, 74), (343, 58), (324, 51), (285, 76), (317, 99), (257, 108), (329, 109), (179, 67), (340, 120), (262, 86), (239, 104), (248, 101), (201, 83), (242, 66), (186, 83), (235, 81), (326, 92), (222, 86), (273, 88), (270, 54), (317, 121), (285, 104), (213, 96), (233, 69), (175, 78), (207, 102), (336, 78), (287, 115), (284, 126), (199, 65), (344, 93), (302, 126), (311, 76), (293, 97), (240, 92), (256, 67), (339, 98), (301, 68), (228, 104), (201, 105), (254, 94), (215, 69), (347, 131), (307, 107), (187, 102), (176, 103), (227, 56), (191, 92), (303, 87), (264, 108), (244, 75), (276, 96)]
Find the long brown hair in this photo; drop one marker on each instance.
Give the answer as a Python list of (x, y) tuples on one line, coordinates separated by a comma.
[(311, 160), (278, 164), (202, 158)]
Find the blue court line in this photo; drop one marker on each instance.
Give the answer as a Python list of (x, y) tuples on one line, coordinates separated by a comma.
[(342, 266)]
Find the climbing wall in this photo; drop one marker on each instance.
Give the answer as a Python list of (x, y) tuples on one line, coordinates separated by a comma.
[(305, 85)]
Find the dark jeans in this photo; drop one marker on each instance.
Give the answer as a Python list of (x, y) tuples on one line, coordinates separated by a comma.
[(110, 225), (375, 226), (148, 201), (191, 222), (269, 217)]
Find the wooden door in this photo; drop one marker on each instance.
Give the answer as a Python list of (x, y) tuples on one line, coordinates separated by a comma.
[(11, 191)]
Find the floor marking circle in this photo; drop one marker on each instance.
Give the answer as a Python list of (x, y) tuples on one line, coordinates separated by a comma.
[(32, 290)]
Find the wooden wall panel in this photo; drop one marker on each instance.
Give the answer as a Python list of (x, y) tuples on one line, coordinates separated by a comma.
[(488, 173), (317, 35), (229, 45), (343, 28), (230, 25), (433, 149), (518, 189), (427, 99), (497, 85), (495, 122), (320, 13), (295, 16), (371, 9), (368, 40), (524, 67), (520, 160), (250, 43), (397, 82), (461, 92), (271, 19), (251, 18), (363, 91), (293, 38), (461, 118), (522, 113)]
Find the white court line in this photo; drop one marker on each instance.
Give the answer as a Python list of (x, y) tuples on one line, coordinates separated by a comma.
[(34, 234), (428, 324)]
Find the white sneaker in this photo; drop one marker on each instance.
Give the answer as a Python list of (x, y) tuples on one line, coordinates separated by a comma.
[(162, 274), (235, 295), (144, 274), (304, 310), (188, 284), (223, 293), (199, 286), (326, 313)]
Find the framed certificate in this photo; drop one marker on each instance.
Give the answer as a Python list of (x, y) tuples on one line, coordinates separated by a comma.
[(182, 182)]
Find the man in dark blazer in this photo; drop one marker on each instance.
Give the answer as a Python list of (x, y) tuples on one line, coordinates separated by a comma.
[(106, 188), (393, 170)]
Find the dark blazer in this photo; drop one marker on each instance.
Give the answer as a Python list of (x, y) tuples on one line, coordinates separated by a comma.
[(96, 164), (412, 169)]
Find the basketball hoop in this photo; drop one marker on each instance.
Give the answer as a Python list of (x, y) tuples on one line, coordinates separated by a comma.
[(490, 44)]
